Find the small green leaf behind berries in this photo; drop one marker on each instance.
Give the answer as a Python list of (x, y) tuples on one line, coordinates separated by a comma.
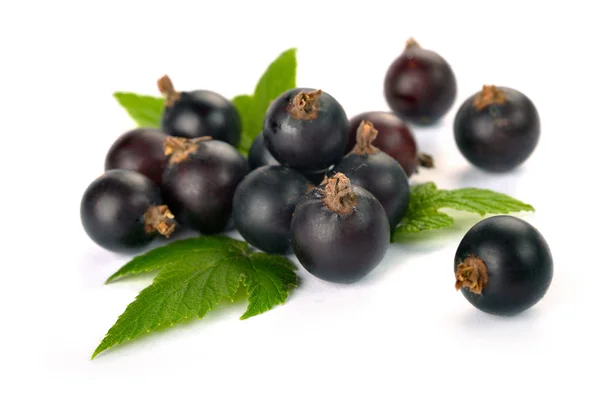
[(279, 77), (426, 200), (195, 275), (146, 111)]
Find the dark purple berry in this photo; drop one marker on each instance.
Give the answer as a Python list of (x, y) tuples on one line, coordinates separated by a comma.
[(339, 231), (140, 150), (200, 180), (263, 206), (199, 113), (306, 129), (374, 170), (497, 129), (259, 155), (503, 265), (123, 211), (420, 86), (395, 138)]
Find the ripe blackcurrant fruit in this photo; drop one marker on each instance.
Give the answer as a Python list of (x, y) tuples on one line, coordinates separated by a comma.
[(339, 231), (395, 138), (122, 211), (503, 265), (306, 129), (377, 172), (420, 85), (140, 150), (263, 205), (200, 180), (199, 113), (259, 155), (497, 129)]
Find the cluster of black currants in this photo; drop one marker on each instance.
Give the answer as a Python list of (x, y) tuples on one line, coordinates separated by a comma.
[(321, 189), (317, 184), (184, 174)]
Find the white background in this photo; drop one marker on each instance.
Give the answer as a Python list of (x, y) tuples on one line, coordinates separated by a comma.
[(403, 331)]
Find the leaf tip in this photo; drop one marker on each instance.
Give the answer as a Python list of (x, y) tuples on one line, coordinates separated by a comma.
[(96, 353)]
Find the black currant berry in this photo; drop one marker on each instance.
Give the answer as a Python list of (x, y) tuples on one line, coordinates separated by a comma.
[(200, 180), (395, 138), (259, 155), (123, 211), (374, 170), (263, 205), (339, 231), (306, 129), (420, 85), (503, 265), (199, 113), (497, 129), (140, 150)]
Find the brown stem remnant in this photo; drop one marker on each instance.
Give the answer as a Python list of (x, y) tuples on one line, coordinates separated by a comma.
[(425, 160), (178, 149), (365, 136), (165, 86), (158, 218), (305, 106), (471, 274), (489, 95), (411, 43), (339, 196)]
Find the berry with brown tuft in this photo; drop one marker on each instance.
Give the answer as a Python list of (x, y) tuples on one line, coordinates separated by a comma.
[(497, 129), (394, 137), (306, 129), (200, 180), (503, 265), (339, 231), (377, 172), (122, 211), (199, 113)]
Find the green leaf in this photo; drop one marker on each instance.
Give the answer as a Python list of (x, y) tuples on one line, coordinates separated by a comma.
[(427, 220), (144, 110), (426, 200), (279, 76), (244, 104), (195, 275)]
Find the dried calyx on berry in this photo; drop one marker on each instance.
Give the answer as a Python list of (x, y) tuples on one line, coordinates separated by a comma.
[(178, 149)]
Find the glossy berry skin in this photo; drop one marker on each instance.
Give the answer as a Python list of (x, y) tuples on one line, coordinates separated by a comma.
[(263, 206), (395, 138), (140, 150), (500, 136), (339, 248), (518, 262), (113, 207), (199, 189), (202, 113), (307, 141), (259, 155), (383, 177), (420, 86)]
